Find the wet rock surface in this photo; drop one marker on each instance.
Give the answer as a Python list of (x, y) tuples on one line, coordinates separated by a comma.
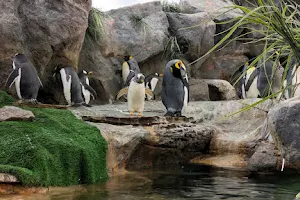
[(12, 113), (154, 140)]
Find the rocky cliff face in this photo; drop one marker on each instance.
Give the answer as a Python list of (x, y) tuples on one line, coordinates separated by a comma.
[(52, 32), (48, 32)]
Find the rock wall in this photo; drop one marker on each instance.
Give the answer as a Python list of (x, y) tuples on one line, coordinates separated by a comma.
[(52, 32), (48, 32)]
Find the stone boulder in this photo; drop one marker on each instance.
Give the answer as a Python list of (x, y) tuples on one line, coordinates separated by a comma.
[(48, 32), (284, 127), (193, 33), (12, 113), (264, 159), (219, 11), (140, 30), (220, 90), (222, 64), (198, 90)]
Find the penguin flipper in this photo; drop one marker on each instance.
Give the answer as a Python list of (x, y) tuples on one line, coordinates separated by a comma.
[(122, 92), (129, 77), (11, 78), (89, 88), (149, 92)]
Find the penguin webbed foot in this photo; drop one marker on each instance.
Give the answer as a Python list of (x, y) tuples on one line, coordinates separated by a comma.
[(170, 114), (30, 101)]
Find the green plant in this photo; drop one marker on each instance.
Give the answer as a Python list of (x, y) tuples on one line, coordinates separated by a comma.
[(280, 32), (139, 22), (171, 7), (172, 49), (96, 28)]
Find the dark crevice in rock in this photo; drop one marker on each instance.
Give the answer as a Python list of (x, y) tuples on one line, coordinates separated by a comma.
[(214, 93)]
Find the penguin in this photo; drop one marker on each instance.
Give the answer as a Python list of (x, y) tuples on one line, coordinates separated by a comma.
[(263, 80), (249, 82), (72, 87), (136, 92), (129, 69), (87, 90), (25, 78), (175, 88), (151, 82)]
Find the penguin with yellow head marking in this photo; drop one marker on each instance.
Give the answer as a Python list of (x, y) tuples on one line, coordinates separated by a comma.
[(175, 88)]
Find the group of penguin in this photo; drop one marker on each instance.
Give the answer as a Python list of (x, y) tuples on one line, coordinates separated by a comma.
[(175, 87), (267, 78), (76, 88)]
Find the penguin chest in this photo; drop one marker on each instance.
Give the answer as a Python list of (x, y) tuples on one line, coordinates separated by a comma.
[(253, 91), (66, 82), (18, 84), (136, 97), (86, 93), (125, 71)]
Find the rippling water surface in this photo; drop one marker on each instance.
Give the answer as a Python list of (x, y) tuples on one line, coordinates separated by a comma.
[(188, 182)]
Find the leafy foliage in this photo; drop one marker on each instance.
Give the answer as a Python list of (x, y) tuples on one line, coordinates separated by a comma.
[(96, 29), (171, 7), (172, 49)]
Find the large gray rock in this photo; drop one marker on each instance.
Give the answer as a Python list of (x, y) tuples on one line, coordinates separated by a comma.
[(264, 159), (220, 90), (193, 32), (198, 90), (48, 32), (284, 126), (12, 113), (219, 11), (141, 31), (221, 64)]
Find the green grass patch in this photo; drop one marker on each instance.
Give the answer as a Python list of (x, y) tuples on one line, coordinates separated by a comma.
[(5, 99), (56, 149)]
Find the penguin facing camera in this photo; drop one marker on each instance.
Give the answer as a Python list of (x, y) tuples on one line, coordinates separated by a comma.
[(87, 90), (129, 69), (136, 94), (25, 78), (72, 87), (150, 82), (175, 88)]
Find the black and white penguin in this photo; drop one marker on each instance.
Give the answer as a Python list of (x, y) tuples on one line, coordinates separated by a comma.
[(72, 87), (175, 88), (129, 69), (292, 80), (249, 82), (151, 81), (263, 80), (87, 90), (136, 92), (25, 78)]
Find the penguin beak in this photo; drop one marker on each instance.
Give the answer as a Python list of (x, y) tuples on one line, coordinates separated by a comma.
[(90, 73), (160, 75)]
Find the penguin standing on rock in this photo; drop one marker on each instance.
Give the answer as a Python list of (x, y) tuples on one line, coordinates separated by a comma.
[(129, 69), (25, 78), (87, 90), (136, 94), (71, 85), (175, 88), (151, 81)]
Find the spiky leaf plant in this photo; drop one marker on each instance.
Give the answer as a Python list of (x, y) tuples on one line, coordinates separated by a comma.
[(96, 29), (172, 49), (280, 32)]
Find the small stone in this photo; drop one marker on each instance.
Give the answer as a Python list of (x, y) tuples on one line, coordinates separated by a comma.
[(8, 178), (12, 113)]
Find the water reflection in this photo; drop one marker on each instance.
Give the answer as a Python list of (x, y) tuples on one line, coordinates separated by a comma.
[(188, 182)]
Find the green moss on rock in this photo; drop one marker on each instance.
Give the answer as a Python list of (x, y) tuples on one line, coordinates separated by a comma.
[(56, 149)]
